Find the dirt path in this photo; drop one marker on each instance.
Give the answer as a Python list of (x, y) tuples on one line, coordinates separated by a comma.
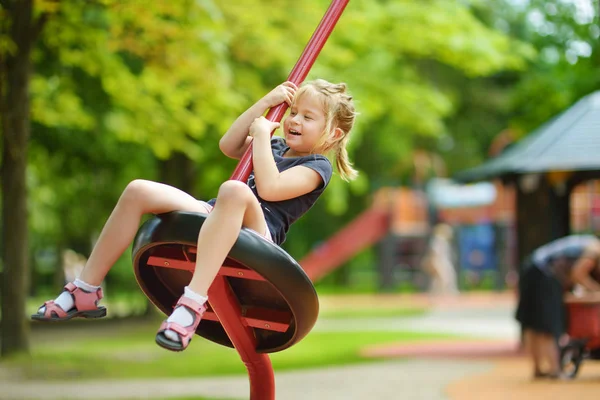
[(510, 379)]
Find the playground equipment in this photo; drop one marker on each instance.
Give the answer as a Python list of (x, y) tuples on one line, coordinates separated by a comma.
[(400, 218), (584, 333), (365, 230), (261, 300), (398, 211)]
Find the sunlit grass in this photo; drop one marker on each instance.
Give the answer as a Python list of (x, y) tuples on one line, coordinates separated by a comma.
[(132, 353), (372, 313), (125, 348), (190, 398)]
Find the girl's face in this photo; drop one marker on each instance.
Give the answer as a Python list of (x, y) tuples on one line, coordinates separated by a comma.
[(304, 125)]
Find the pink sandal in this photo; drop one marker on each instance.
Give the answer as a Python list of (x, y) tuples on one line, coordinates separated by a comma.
[(185, 332), (86, 306)]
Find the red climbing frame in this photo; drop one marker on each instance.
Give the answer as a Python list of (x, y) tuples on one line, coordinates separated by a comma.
[(222, 299)]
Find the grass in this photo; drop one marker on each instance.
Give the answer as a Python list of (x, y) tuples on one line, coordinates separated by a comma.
[(193, 398), (120, 349), (189, 398), (130, 352), (136, 356), (390, 312)]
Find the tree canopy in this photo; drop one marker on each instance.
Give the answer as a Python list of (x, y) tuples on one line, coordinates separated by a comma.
[(119, 89)]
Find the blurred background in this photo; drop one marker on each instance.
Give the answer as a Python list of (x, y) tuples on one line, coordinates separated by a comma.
[(97, 93)]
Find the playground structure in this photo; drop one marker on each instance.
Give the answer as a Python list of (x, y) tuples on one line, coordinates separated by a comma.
[(399, 211), (261, 301), (485, 240), (400, 220)]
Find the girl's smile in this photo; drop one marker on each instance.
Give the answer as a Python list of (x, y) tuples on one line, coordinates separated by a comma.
[(304, 125)]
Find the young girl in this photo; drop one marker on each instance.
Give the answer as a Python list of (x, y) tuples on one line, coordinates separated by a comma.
[(289, 176)]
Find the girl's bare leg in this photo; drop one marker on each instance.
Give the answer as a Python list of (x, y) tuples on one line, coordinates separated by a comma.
[(139, 197), (236, 207)]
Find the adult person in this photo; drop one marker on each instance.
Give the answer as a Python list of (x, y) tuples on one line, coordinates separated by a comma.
[(549, 272)]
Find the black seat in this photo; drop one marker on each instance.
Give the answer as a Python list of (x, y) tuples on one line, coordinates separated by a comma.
[(277, 298)]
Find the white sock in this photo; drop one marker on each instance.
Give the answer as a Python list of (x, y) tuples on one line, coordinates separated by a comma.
[(181, 315), (85, 286), (65, 300)]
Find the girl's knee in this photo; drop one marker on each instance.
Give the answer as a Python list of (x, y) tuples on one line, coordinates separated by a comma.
[(234, 192), (136, 190)]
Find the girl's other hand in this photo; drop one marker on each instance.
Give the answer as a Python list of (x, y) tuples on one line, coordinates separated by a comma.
[(282, 93), (262, 126)]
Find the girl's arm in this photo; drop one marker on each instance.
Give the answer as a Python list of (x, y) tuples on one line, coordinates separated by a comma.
[(271, 184), (581, 272), (236, 140)]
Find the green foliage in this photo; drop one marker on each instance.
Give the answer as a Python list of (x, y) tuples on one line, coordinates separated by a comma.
[(392, 57), (155, 64), (7, 46), (564, 35), (120, 84), (567, 37)]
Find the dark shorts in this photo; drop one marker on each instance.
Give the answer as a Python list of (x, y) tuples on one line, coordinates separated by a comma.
[(541, 307)]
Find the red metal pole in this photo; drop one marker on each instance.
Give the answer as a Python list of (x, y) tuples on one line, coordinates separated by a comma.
[(222, 299), (228, 310)]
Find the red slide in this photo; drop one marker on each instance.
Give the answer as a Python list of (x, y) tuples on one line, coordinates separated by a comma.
[(368, 228)]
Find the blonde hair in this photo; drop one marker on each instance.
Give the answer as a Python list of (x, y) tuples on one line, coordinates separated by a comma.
[(339, 113)]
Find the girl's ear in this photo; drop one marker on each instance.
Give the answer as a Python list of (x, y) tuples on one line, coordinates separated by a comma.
[(332, 138), (338, 134)]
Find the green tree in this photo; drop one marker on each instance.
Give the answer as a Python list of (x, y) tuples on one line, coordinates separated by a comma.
[(20, 30), (564, 36), (406, 63), (128, 52), (167, 78)]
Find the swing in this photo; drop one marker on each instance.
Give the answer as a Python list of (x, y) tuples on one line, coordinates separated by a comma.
[(261, 300)]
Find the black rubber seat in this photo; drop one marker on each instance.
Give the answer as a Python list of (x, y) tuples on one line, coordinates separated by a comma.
[(277, 298)]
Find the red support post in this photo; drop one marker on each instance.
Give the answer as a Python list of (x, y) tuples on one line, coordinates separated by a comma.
[(222, 299), (228, 310)]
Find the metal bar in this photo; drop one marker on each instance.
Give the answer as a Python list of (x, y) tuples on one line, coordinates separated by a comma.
[(234, 272), (261, 319)]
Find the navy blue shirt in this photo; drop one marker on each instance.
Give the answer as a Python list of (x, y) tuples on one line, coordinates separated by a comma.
[(279, 215)]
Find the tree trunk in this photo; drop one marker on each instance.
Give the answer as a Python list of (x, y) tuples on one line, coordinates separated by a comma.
[(15, 109)]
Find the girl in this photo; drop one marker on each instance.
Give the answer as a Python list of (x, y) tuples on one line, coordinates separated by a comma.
[(289, 176)]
